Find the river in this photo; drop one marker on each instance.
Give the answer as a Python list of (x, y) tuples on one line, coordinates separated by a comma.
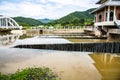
[(68, 65)]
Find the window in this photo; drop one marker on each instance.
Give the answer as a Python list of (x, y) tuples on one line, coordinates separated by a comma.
[(119, 16), (111, 16), (106, 16), (100, 18), (95, 18)]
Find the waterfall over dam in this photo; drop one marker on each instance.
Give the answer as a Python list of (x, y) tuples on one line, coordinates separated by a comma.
[(106, 47)]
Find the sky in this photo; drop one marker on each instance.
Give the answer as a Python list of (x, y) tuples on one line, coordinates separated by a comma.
[(39, 9)]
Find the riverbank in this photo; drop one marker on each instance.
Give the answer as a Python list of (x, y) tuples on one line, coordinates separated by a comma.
[(5, 30), (18, 31), (40, 73)]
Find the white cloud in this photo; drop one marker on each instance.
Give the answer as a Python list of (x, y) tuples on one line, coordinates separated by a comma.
[(22, 9), (44, 8), (80, 3), (29, 9)]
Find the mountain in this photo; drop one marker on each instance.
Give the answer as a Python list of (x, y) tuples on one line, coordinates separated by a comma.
[(76, 18), (27, 21), (77, 15), (46, 20)]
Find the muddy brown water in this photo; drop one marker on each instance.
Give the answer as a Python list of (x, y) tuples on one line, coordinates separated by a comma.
[(69, 65)]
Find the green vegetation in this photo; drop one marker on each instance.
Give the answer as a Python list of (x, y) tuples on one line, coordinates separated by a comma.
[(27, 22), (31, 74), (5, 30), (78, 19), (24, 36), (75, 19)]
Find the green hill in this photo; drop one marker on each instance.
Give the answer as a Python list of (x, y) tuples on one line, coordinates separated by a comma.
[(78, 18), (27, 21), (78, 15)]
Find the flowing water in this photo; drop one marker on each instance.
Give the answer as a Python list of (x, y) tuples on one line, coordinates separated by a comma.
[(69, 65)]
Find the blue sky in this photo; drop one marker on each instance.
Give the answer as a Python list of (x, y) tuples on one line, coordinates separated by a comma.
[(39, 9)]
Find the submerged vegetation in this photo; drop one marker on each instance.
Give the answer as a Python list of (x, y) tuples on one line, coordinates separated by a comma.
[(41, 73)]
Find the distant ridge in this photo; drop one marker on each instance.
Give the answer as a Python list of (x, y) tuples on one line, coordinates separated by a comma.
[(45, 20)]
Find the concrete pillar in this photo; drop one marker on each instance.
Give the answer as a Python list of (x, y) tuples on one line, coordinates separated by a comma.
[(105, 15), (6, 20), (108, 15), (3, 22), (0, 22), (114, 13)]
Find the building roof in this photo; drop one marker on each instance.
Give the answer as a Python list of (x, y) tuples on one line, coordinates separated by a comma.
[(108, 3), (101, 1), (98, 2)]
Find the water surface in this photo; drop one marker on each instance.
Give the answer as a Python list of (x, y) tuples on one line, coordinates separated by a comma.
[(68, 65)]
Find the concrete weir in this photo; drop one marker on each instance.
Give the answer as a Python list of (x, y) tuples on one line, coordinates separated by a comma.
[(106, 47)]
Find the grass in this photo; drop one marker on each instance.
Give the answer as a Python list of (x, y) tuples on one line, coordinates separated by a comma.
[(41, 73)]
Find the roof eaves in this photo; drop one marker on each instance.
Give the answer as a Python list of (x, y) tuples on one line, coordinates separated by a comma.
[(103, 5), (97, 9), (98, 2), (113, 3)]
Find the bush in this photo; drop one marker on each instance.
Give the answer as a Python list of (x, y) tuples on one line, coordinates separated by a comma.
[(31, 74)]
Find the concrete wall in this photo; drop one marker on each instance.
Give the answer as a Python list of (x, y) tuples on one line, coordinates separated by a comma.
[(118, 13), (109, 47), (89, 32), (102, 12), (115, 37), (57, 31)]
